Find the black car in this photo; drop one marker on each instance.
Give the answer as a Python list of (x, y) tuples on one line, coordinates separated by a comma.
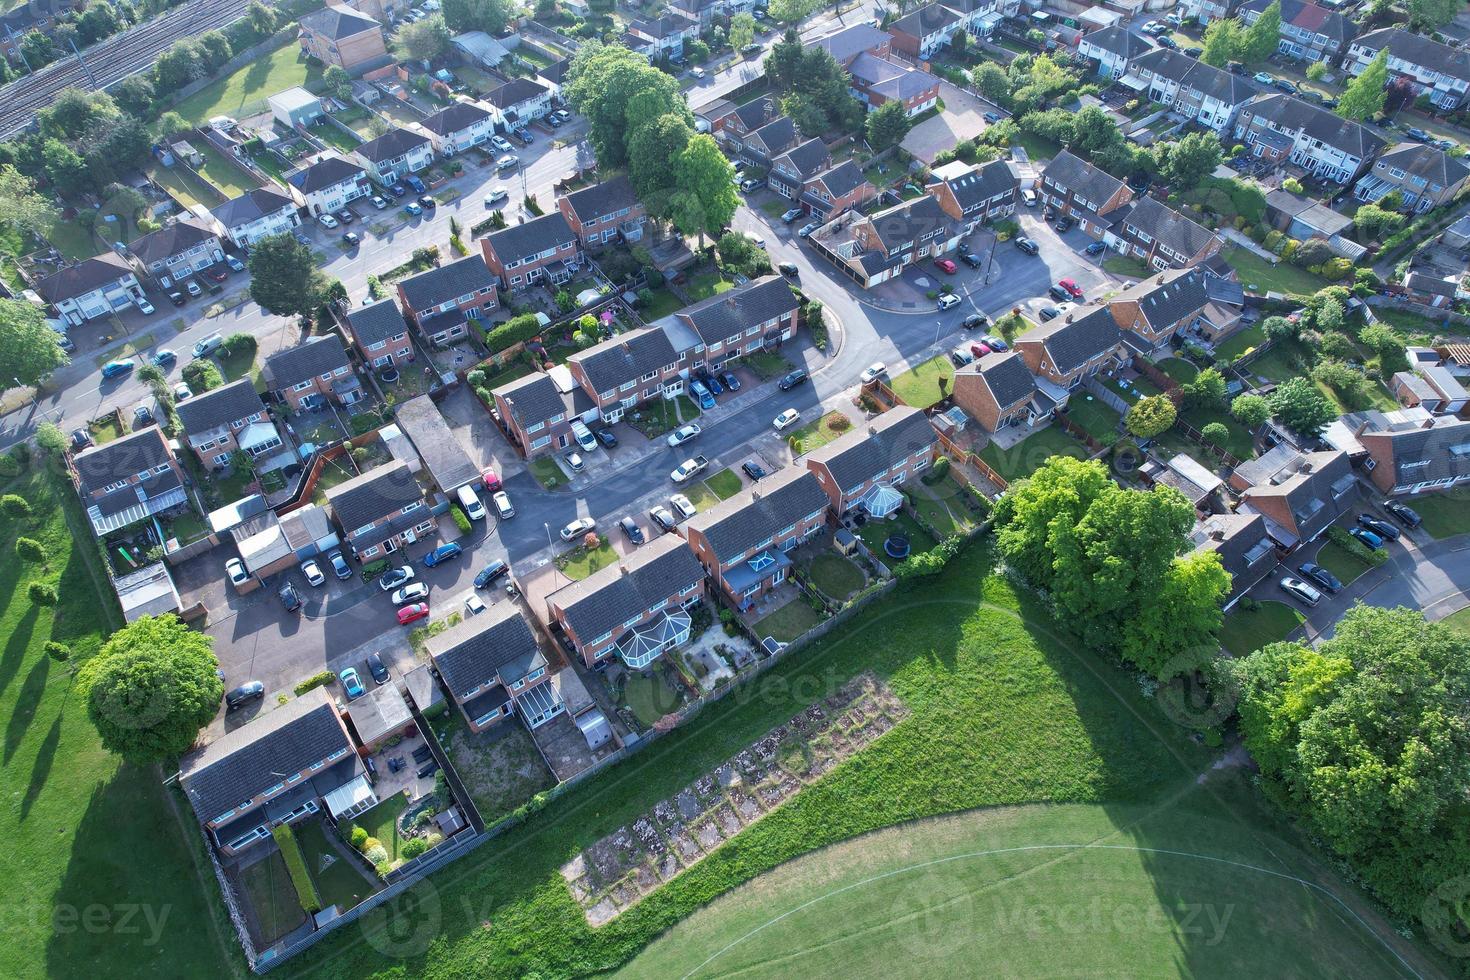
[(1235, 67), (1286, 85), (975, 321), (631, 529), (1058, 293), (788, 269), (1027, 245), (753, 469), (376, 668), (80, 439), (177, 299), (428, 203), (606, 437), (1168, 42), (290, 598), (1194, 52), (728, 379), (1049, 313), (970, 259), (243, 695), (1096, 248), (1383, 529), (1064, 223), (346, 216), (524, 135), (793, 379), (490, 573), (1403, 513), (1324, 579)]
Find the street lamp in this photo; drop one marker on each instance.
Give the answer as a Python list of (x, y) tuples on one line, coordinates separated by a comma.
[(549, 545)]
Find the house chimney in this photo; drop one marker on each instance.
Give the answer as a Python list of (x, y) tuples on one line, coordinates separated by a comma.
[(1160, 280), (1069, 318), (1306, 466), (1362, 427), (1217, 535), (1428, 423)]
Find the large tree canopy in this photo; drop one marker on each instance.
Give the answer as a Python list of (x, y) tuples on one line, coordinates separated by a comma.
[(151, 688), (618, 91), (29, 349), (284, 278)]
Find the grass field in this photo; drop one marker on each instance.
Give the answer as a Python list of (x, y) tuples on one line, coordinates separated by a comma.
[(222, 172), (546, 472), (1445, 514), (1245, 631), (1100, 421), (1258, 275), (1024, 457), (1238, 343), (817, 434), (1341, 562), (246, 90), (382, 822), (724, 484), (919, 386), (788, 622), (581, 562), (1459, 620)]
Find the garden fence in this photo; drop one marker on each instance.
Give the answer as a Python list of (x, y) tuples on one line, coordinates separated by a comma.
[(1107, 396), (256, 52)]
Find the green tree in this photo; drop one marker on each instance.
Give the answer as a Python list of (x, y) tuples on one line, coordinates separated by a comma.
[(1388, 345), (1223, 42), (887, 125), (50, 438), (696, 51), (1093, 132), (338, 82), (29, 349), (1151, 415), (1207, 390), (1251, 410), (992, 82), (423, 40), (1260, 40), (1375, 222), (792, 11), (1215, 433), (1299, 406), (20, 206), (783, 64), (704, 200), (490, 16), (262, 18), (1183, 164), (1432, 14), (284, 278), (151, 688), (37, 49), (742, 31), (1364, 96), (1316, 71), (178, 66), (618, 92), (136, 94), (73, 112), (649, 151)]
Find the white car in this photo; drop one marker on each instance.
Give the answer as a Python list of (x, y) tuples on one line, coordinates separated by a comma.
[(503, 508), (182, 392), (786, 419), (577, 528), (473, 605), (948, 301), (1300, 590), (683, 506), (145, 307), (873, 372), (758, 241), (413, 592), (236, 569), (327, 221), (501, 143), (684, 433), (497, 195), (313, 573), (1028, 196), (697, 72), (574, 461)]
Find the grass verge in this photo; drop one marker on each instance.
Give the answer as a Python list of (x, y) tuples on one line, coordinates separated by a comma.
[(724, 484), (1247, 630)]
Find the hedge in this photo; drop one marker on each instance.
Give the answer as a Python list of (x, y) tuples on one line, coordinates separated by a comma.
[(315, 681), (296, 866), (461, 521), (513, 331), (1339, 536)]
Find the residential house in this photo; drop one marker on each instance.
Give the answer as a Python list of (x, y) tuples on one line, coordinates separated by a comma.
[(292, 762), (1318, 141), (395, 154), (1208, 95), (1246, 551), (457, 127), (444, 458), (1431, 287), (1433, 387), (871, 249), (1303, 218), (791, 170), (1412, 450), (999, 390), (328, 185), (1161, 237), (604, 212), (91, 288), (537, 411), (1308, 32), (1114, 49), (382, 11), (306, 375), (636, 609), (177, 251), (759, 315), (129, 480), (630, 369), (743, 542), (31, 15), (1299, 494), (1197, 483), (1084, 192), (1426, 177), (662, 37), (256, 214), (1074, 347), (731, 124), (542, 248), (1180, 302), (876, 81), (770, 141), (847, 43), (842, 188), (442, 301), (974, 195), (479, 48), (343, 37), (227, 420), (296, 108), (1206, 11), (520, 102), (921, 33), (706, 11), (381, 511), (491, 664), (381, 334), (1432, 68), (865, 466)]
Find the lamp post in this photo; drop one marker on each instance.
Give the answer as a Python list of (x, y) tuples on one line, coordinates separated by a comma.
[(549, 545)]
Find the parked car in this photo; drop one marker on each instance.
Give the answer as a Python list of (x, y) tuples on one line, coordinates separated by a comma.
[(753, 469), (506, 164), (975, 321), (1048, 313), (574, 461), (1285, 85), (606, 436), (313, 572), (413, 613), (164, 356), (474, 509), (661, 516), (1167, 42), (701, 394), (729, 380), (713, 384), (1300, 590), (991, 117), (398, 190), (501, 143), (428, 203), (948, 301), (376, 667), (290, 598), (441, 554), (873, 372), (178, 299), (395, 577), (235, 264), (327, 220), (346, 216), (1029, 198), (788, 269), (379, 203), (683, 434), (1367, 537), (1057, 293), (799, 376), (1026, 245), (631, 530), (786, 419), (413, 592), (806, 230), (1265, 78), (412, 210), (182, 392), (1415, 133), (235, 568), (490, 573), (491, 479), (1064, 223), (114, 369), (791, 215), (339, 565), (524, 135), (1320, 577), (682, 506), (1381, 528), (145, 307), (971, 259), (351, 238), (473, 605), (1403, 513), (503, 508), (243, 695), (497, 196), (979, 349), (1070, 285), (751, 183), (1096, 248), (577, 528), (947, 266), (961, 356)]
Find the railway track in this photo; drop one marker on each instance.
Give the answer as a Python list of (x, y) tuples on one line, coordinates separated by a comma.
[(111, 61)]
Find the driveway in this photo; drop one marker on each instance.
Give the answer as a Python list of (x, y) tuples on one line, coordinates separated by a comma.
[(962, 118), (1434, 578)]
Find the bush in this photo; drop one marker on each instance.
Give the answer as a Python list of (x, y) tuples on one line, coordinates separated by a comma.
[(15, 505), (461, 521), (296, 865), (414, 847), (376, 854), (237, 342), (373, 569), (1339, 536), (10, 466), (938, 472), (202, 376), (1215, 433), (57, 651), (321, 679), (931, 562), (359, 837), (42, 593), (29, 549), (513, 331)]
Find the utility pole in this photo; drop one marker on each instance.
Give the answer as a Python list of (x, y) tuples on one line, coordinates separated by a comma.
[(16, 45), (85, 67)]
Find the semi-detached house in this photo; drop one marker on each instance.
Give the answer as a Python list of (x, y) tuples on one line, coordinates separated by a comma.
[(306, 375), (1308, 32), (442, 302), (457, 127), (791, 170), (1084, 192), (998, 390), (605, 212), (519, 102), (921, 33), (1114, 49), (226, 420), (1072, 348), (177, 251), (759, 315), (1406, 451), (537, 411), (1276, 127), (393, 155), (129, 480), (381, 334), (542, 248), (871, 249), (974, 195), (1426, 177), (91, 288), (1208, 95), (381, 511), (491, 665), (1299, 494), (256, 214), (630, 369), (328, 185), (1432, 68), (1161, 237), (866, 466), (841, 188)]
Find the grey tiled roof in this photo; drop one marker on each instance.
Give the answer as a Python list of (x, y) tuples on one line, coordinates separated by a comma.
[(251, 205), (924, 21), (757, 112), (731, 313), (626, 357), (1120, 41), (82, 278), (484, 649), (393, 143), (1176, 66), (374, 495), (637, 583), (736, 525), (1419, 50), (171, 240), (1429, 162), (377, 321), (1082, 178), (514, 92), (1445, 445), (1168, 297), (338, 23), (859, 455), (891, 79), (1310, 17), (1294, 114), (532, 399), (805, 158), (453, 118), (326, 172), (532, 238), (608, 197), (1234, 537), (313, 358), (230, 403), (919, 220), (982, 183), (1073, 344), (448, 282), (775, 137), (666, 26), (848, 43), (252, 758), (842, 179), (1183, 236), (121, 458), (1006, 375)]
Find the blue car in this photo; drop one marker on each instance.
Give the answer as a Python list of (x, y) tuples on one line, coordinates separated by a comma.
[(701, 394), (113, 369), (713, 384), (412, 209), (398, 190), (1097, 248), (442, 554), (415, 183), (352, 684), (1368, 538)]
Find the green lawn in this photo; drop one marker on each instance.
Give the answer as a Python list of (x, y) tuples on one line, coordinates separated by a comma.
[(581, 561), (649, 696), (1274, 365), (943, 506), (382, 822), (337, 881), (701, 496), (724, 484), (222, 172), (705, 284), (238, 363), (661, 304), (245, 92), (1126, 265), (817, 434), (1038, 148), (766, 364), (1100, 421), (837, 577), (1459, 620), (272, 897), (334, 137), (1240, 342), (1178, 368), (874, 533), (1239, 444), (1245, 631), (1258, 275), (83, 830), (546, 472), (1415, 328), (662, 415), (919, 385), (1139, 387), (1026, 456), (1341, 562), (186, 188), (1445, 514), (788, 622)]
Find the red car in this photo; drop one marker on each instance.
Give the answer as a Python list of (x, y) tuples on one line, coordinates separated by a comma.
[(1070, 285), (492, 480), (217, 274), (413, 613), (979, 349), (947, 266)]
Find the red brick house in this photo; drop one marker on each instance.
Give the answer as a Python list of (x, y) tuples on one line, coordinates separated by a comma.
[(862, 467), (129, 480), (999, 390), (381, 334), (544, 248), (381, 511), (1075, 347), (491, 665), (604, 212), (306, 375), (537, 414), (758, 315), (1083, 192), (443, 301), (630, 369), (841, 188), (226, 420)]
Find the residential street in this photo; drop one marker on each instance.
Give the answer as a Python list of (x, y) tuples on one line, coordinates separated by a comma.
[(1434, 578)]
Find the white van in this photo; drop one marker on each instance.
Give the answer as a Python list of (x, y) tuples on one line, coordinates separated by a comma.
[(209, 345), (470, 501), (502, 505), (584, 435)]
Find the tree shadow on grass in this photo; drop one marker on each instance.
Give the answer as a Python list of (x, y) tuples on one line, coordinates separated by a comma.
[(41, 769), (16, 645), (30, 696)]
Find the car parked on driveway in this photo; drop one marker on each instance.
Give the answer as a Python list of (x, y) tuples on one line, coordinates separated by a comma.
[(412, 210), (490, 573), (243, 695), (413, 613), (1056, 292), (441, 554), (1368, 538), (682, 506), (376, 667), (1027, 245), (290, 598), (1048, 313), (947, 266), (631, 530), (1070, 285), (1300, 590), (339, 565), (394, 577), (502, 144), (413, 592), (949, 301), (1381, 528), (961, 356), (662, 517), (791, 215), (314, 574), (1321, 577), (1403, 513), (753, 469), (235, 568)]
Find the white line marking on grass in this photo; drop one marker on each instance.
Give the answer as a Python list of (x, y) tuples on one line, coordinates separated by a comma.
[(1053, 847)]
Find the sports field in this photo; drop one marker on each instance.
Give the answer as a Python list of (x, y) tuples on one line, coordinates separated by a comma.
[(1032, 891)]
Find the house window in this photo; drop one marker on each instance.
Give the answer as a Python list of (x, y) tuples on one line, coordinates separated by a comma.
[(370, 552)]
